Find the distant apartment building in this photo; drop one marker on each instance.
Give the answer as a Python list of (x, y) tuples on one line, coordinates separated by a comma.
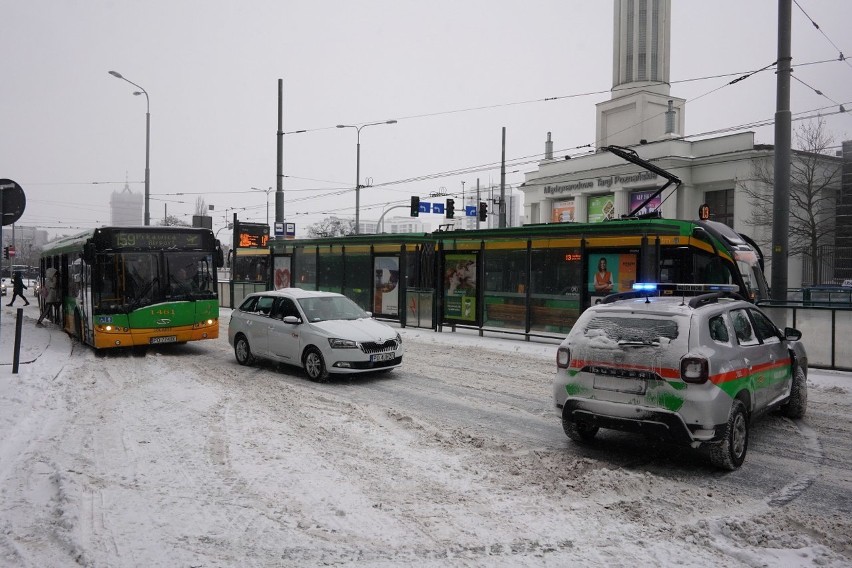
[(126, 208), (27, 242)]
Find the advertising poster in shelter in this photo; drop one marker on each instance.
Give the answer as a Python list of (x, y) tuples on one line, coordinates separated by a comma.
[(281, 276), (460, 286), (638, 197), (563, 211), (386, 285), (601, 207), (610, 273)]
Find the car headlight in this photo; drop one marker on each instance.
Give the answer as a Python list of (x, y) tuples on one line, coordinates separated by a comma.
[(342, 343), (398, 338)]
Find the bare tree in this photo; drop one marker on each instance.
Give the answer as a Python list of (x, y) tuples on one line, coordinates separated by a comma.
[(814, 183), (332, 227), (200, 206), (173, 221)]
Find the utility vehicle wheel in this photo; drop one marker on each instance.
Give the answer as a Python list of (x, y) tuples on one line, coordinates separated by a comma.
[(730, 453), (578, 431), (797, 404)]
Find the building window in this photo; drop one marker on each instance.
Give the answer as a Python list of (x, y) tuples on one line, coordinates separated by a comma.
[(721, 206)]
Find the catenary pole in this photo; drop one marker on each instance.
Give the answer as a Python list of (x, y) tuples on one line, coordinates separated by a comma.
[(783, 154)]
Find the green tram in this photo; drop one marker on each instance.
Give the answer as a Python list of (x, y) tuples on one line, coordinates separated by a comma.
[(135, 286), (534, 279)]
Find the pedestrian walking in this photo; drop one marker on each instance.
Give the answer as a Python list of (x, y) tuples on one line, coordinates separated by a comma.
[(18, 288), (49, 293)]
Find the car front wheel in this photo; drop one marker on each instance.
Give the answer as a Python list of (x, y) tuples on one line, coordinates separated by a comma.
[(242, 351), (315, 365), (730, 452)]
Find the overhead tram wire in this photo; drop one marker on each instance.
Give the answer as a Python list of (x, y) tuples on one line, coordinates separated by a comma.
[(841, 57), (740, 74), (535, 158)]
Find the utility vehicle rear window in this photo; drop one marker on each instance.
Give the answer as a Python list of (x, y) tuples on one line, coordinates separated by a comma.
[(646, 331)]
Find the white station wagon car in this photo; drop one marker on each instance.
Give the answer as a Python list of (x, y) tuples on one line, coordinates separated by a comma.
[(322, 332), (691, 370)]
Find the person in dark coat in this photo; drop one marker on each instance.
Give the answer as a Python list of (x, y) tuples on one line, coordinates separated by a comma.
[(18, 287)]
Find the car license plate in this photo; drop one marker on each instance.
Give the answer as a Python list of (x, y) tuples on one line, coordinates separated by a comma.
[(620, 384), (381, 357), (163, 339)]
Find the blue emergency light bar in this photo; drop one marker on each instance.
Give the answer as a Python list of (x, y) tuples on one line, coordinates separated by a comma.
[(653, 287)]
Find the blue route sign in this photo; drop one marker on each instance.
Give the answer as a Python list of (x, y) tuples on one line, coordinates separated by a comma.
[(438, 208), (470, 210)]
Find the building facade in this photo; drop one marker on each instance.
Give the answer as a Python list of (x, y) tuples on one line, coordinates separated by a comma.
[(641, 115)]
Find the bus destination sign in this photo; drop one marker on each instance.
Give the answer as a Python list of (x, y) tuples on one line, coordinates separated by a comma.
[(159, 240)]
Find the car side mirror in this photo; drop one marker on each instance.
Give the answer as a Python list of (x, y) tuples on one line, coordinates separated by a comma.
[(369, 314), (292, 320), (792, 334)]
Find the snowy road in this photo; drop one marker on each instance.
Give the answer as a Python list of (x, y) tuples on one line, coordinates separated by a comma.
[(184, 458)]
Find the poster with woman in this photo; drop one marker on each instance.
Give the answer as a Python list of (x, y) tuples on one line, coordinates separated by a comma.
[(610, 273), (460, 287)]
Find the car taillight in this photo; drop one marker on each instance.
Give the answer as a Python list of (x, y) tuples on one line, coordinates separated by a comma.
[(694, 370), (563, 357)]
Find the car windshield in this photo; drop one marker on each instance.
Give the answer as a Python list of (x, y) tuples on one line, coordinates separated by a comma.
[(331, 308), (620, 330)]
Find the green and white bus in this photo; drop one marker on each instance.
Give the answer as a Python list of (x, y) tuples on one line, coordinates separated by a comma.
[(135, 286)]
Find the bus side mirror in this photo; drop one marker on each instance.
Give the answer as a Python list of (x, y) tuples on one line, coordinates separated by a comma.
[(89, 253), (220, 257)]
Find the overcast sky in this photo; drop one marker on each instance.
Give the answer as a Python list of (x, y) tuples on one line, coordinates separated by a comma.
[(452, 73)]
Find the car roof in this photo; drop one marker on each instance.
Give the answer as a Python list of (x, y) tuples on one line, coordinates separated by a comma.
[(297, 293)]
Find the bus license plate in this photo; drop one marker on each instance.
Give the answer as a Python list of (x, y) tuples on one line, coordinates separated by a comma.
[(381, 357), (164, 339)]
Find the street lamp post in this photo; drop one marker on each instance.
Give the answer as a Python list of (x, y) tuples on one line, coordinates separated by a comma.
[(267, 192), (358, 168), (142, 91)]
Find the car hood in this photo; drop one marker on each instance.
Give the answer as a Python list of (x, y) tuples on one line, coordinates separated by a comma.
[(356, 330)]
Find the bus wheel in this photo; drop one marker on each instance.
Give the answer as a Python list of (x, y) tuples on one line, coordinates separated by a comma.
[(78, 326), (242, 351), (315, 365), (730, 452)]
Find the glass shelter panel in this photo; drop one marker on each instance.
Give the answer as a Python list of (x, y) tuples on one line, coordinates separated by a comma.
[(505, 288), (359, 279), (330, 272), (555, 286), (305, 263)]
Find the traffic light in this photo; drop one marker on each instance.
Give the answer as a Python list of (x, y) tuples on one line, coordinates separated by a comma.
[(6, 253), (483, 210), (415, 206), (450, 210)]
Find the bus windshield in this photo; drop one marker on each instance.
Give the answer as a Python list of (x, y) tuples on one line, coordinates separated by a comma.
[(130, 280)]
